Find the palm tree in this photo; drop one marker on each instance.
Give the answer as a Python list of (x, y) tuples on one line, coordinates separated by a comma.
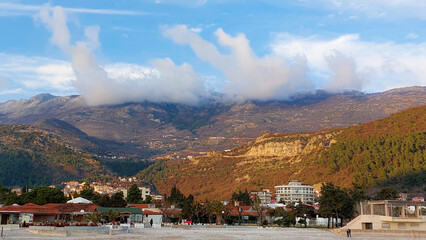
[(112, 215), (216, 208), (94, 217)]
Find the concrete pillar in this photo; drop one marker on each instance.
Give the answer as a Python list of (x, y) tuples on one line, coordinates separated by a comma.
[(403, 210), (386, 209), (417, 211), (371, 209)]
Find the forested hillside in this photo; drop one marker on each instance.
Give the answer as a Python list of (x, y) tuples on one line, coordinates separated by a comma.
[(32, 157), (389, 151)]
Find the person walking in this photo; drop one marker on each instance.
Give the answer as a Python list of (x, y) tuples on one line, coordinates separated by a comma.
[(151, 222), (348, 232)]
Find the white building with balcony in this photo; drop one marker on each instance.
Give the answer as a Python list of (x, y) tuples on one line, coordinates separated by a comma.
[(295, 191)]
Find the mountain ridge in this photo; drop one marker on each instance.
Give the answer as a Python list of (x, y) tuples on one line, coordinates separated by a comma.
[(160, 128), (393, 154)]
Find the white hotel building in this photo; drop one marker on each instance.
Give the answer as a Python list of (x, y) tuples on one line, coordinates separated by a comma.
[(295, 192)]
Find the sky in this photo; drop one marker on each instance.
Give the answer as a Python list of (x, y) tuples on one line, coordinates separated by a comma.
[(185, 51)]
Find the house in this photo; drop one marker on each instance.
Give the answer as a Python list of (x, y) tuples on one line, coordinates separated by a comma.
[(127, 215), (150, 212), (145, 191), (390, 215), (171, 214), (16, 190), (246, 214), (29, 213), (295, 191), (73, 213), (153, 214)]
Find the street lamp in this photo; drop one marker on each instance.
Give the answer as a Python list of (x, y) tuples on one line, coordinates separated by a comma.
[(223, 212)]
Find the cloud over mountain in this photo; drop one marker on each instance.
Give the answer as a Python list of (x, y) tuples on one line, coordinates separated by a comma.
[(167, 83), (248, 76), (360, 65), (294, 64)]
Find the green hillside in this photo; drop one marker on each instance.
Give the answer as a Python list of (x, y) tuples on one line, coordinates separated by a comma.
[(30, 156)]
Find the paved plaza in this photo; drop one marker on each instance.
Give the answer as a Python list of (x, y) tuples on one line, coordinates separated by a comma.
[(203, 233)]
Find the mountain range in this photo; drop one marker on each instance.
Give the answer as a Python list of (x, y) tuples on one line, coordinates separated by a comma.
[(48, 139), (143, 130), (385, 152)]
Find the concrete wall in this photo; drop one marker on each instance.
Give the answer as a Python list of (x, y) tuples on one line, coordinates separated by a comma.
[(387, 223), (156, 219)]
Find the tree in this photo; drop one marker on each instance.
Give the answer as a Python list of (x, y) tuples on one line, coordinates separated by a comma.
[(112, 215), (104, 201), (303, 211), (188, 208), (88, 193), (242, 197), (134, 195), (176, 197), (216, 208), (94, 217), (387, 193), (44, 195), (335, 202), (148, 199), (117, 200), (288, 219), (257, 206), (41, 195), (4, 192)]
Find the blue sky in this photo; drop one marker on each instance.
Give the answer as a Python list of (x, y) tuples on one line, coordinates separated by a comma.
[(182, 51)]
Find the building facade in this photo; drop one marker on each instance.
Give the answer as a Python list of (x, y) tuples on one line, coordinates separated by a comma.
[(390, 215), (295, 191), (264, 196), (145, 191)]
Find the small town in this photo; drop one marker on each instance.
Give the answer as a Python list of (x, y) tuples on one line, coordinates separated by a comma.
[(119, 206)]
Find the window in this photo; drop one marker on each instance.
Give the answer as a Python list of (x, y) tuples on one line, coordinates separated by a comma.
[(367, 225), (385, 225)]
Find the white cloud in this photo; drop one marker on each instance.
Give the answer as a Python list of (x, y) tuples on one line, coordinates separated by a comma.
[(11, 91), (196, 29), (248, 76), (36, 72), (14, 9), (381, 8), (345, 75), (186, 3), (387, 64), (166, 83), (411, 36)]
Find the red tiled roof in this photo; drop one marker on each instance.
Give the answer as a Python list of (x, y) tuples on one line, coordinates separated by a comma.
[(246, 213), (237, 208), (73, 207), (29, 208), (172, 211), (142, 206), (149, 212)]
